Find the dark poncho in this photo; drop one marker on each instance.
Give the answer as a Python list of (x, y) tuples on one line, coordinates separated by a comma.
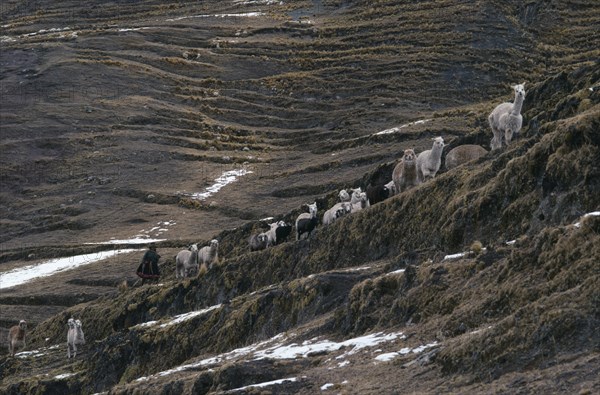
[(149, 266)]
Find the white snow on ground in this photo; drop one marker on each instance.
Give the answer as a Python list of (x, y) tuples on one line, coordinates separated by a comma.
[(249, 2), (144, 236), (357, 269), (460, 255), (178, 318), (64, 376), (509, 243), (294, 350), (391, 355), (592, 214), (277, 350), (240, 15), (396, 272), (135, 240), (387, 356), (25, 274), (479, 330), (455, 256), (46, 31), (398, 128), (262, 385), (134, 29), (325, 387), (32, 353), (226, 178)]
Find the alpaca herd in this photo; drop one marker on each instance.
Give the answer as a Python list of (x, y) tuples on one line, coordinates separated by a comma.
[(412, 169), (505, 121)]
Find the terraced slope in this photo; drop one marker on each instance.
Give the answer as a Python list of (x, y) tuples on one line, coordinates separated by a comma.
[(115, 115)]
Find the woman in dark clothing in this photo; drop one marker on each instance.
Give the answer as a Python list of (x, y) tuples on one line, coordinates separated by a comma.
[(148, 269)]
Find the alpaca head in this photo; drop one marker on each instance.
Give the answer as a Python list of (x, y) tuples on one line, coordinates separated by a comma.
[(214, 243), (409, 156), (23, 324), (438, 142), (519, 90), (312, 208), (71, 323)]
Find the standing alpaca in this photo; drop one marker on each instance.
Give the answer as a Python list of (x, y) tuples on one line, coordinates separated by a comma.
[(405, 173), (186, 262), (16, 335), (306, 222), (209, 255), (429, 162), (506, 118), (75, 336)]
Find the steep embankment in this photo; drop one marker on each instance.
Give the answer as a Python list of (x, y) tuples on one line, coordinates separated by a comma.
[(305, 96)]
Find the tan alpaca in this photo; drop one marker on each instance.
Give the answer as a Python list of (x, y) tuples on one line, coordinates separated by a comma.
[(405, 173)]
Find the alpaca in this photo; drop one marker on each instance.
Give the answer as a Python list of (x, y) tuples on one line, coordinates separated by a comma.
[(463, 154), (75, 336), (186, 262), (405, 173), (306, 222), (506, 119), (16, 335), (429, 162)]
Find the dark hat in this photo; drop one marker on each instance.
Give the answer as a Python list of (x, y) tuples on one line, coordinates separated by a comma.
[(152, 246)]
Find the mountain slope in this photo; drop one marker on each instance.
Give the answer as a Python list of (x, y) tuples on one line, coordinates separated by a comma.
[(297, 95)]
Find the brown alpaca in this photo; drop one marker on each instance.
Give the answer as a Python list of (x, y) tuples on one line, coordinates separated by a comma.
[(405, 173), (16, 335)]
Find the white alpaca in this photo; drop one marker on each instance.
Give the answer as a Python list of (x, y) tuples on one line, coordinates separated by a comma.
[(429, 161), (506, 119), (186, 262), (75, 336)]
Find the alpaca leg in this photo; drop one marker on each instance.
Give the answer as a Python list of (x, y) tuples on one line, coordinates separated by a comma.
[(496, 142), (74, 350), (508, 133), (11, 348)]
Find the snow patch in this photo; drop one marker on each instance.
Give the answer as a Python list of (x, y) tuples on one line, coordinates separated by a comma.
[(226, 178), (135, 240), (32, 353), (28, 273), (239, 15), (398, 128), (592, 214), (265, 384), (133, 29), (179, 318), (357, 269), (258, 351), (386, 357), (396, 272), (391, 355), (461, 255), (263, 2), (64, 376), (325, 387)]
